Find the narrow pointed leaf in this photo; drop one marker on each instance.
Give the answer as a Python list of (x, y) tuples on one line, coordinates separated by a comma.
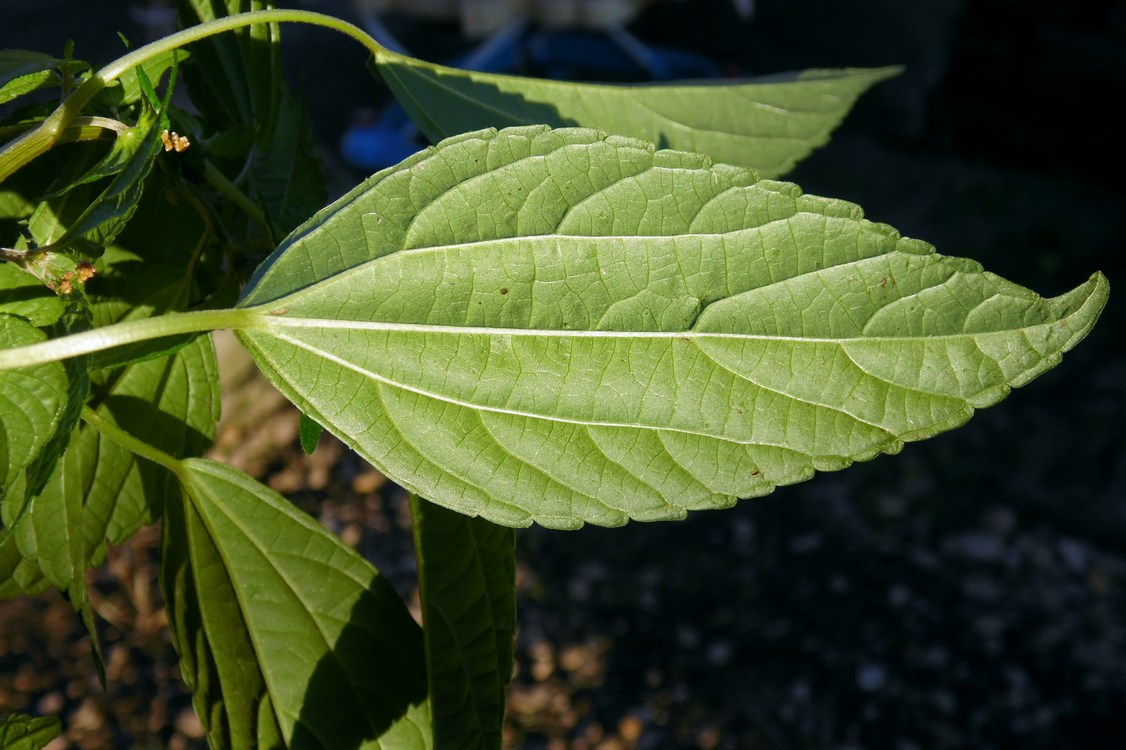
[(285, 631), (767, 123), (129, 162), (20, 732), (23, 71), (127, 89), (467, 580), (310, 433), (558, 326)]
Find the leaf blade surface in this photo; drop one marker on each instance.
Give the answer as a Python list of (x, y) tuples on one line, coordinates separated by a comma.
[(768, 123), (288, 633), (563, 327)]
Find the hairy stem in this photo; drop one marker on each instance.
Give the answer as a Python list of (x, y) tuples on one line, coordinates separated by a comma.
[(129, 332), (37, 141)]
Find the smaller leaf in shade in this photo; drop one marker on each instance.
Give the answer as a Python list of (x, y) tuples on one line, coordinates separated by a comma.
[(286, 177), (235, 77), (467, 585), (21, 732), (285, 630), (127, 88), (22, 72), (768, 123), (310, 433), (129, 164)]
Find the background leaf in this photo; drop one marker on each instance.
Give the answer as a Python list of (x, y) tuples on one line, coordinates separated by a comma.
[(235, 80), (559, 326), (767, 123), (22, 72), (19, 732), (25, 296), (283, 629), (467, 583)]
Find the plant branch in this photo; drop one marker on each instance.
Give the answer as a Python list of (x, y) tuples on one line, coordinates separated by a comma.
[(128, 442), (128, 332), (38, 141)]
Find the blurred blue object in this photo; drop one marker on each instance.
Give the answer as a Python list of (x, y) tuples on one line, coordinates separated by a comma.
[(378, 141)]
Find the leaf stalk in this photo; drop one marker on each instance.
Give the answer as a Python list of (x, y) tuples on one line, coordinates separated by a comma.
[(128, 332)]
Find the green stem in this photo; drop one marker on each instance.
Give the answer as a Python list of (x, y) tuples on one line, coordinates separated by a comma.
[(35, 142), (219, 181), (128, 442), (129, 332)]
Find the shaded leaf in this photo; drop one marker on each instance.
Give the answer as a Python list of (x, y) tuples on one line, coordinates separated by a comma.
[(767, 123), (127, 88), (236, 81), (20, 732), (23, 71), (467, 584), (287, 178), (232, 76), (282, 628), (558, 326), (310, 433), (128, 162)]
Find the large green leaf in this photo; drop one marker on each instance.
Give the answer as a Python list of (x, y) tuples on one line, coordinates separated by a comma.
[(467, 580), (767, 123), (560, 327), (19, 732), (32, 402), (283, 630)]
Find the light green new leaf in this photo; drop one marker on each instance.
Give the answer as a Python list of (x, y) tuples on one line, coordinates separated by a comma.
[(467, 581), (20, 732), (768, 123), (558, 326), (283, 630)]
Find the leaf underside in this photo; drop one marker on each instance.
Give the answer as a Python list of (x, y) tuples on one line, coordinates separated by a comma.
[(20, 732), (287, 637), (565, 327), (467, 581), (767, 123)]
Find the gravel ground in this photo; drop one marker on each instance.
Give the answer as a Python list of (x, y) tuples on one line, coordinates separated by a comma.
[(968, 593)]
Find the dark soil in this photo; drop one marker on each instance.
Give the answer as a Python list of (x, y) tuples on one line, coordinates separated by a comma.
[(968, 593)]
